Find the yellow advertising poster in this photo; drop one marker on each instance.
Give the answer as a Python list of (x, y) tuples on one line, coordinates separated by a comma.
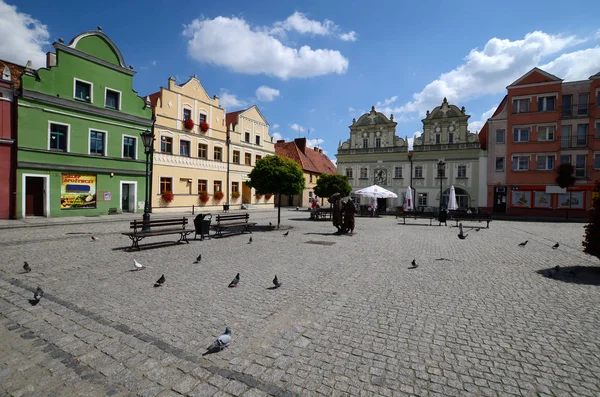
[(77, 191)]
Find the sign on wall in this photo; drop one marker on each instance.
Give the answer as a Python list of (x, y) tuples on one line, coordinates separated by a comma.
[(570, 200), (542, 199), (77, 191), (521, 199)]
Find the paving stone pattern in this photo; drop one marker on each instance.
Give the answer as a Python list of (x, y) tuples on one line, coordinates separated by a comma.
[(350, 319)]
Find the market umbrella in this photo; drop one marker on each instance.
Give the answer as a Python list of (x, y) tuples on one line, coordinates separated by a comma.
[(452, 204), (375, 192), (409, 199)]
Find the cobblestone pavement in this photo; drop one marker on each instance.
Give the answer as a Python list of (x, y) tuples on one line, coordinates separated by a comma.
[(350, 319)]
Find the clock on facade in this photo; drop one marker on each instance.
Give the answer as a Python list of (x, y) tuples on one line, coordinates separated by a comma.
[(381, 177)]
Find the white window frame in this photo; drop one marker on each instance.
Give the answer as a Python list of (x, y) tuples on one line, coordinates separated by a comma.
[(519, 99), (245, 153), (596, 156), (518, 163), (187, 106), (123, 146), (249, 134), (190, 146), (218, 145), (168, 135), (520, 129), (47, 193), (204, 113), (135, 191), (349, 175), (537, 158), (106, 89), (503, 136), (421, 196), (259, 139), (545, 138), (458, 168), (418, 168), (90, 142), (363, 143), (50, 122), (172, 183), (503, 164), (398, 172), (544, 100), (75, 80), (366, 173), (377, 142)]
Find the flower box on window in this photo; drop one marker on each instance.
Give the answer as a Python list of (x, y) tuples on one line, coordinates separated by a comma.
[(268, 196), (204, 126), (258, 196), (218, 195), (189, 124), (203, 197), (235, 195), (167, 197)]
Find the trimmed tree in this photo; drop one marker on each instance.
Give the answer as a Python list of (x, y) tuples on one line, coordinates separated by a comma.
[(565, 179), (591, 244), (278, 175), (329, 184)]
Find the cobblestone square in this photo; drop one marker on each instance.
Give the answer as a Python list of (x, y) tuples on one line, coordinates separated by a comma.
[(351, 318)]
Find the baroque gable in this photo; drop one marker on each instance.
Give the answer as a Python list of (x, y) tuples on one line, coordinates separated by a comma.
[(374, 130), (446, 125)]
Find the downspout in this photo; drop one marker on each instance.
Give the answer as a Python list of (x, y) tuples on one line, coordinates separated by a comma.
[(151, 173), (12, 207)]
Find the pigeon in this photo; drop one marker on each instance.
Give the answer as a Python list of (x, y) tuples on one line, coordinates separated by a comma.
[(38, 294), (414, 264), (462, 236), (270, 224), (138, 265), (250, 240), (198, 259), (276, 282), (26, 267), (235, 281), (555, 246), (94, 238), (160, 281), (220, 343), (523, 244), (286, 233)]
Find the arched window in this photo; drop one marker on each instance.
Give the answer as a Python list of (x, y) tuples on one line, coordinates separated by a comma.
[(462, 198)]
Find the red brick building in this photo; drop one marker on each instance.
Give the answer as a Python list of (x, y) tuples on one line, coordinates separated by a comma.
[(10, 82)]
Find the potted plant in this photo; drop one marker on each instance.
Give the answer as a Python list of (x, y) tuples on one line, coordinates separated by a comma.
[(235, 195), (203, 197), (204, 126), (167, 196), (268, 196), (188, 123), (218, 195), (258, 196)]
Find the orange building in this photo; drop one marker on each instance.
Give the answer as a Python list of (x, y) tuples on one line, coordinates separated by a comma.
[(548, 122)]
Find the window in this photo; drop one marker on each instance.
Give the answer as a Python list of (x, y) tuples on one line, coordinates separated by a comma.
[(236, 156), (235, 187), (184, 148), (450, 137), (499, 164), (598, 130), (349, 173), (247, 136), (582, 105), (202, 151), (580, 165), (216, 186), (582, 131), (546, 104), (310, 178), (365, 142), (565, 159), (166, 144), (187, 114), (500, 136), (247, 158), (520, 163), (201, 118), (377, 142), (97, 143), (438, 139), (364, 172), (166, 185), (565, 138), (59, 135), (257, 139), (129, 146), (545, 133), (521, 105), (112, 99), (567, 105), (598, 98), (218, 153), (419, 171), (462, 171), (397, 172), (521, 135), (545, 163), (83, 91), (202, 185), (597, 161), (422, 199), (258, 158)]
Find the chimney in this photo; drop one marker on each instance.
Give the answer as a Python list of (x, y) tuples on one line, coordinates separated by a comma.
[(320, 150), (301, 143), (50, 59), (281, 141), (316, 149)]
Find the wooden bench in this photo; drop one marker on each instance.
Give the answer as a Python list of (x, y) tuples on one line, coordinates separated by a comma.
[(159, 227), (224, 222), (417, 215), (458, 217), (321, 213)]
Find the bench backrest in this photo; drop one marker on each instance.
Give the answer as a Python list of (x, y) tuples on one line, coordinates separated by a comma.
[(233, 217), (137, 224)]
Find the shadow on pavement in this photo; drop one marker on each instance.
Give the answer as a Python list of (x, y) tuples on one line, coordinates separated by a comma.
[(589, 275)]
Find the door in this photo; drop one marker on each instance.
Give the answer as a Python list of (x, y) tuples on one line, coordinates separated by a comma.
[(125, 197), (499, 199), (381, 205), (34, 196), (290, 201)]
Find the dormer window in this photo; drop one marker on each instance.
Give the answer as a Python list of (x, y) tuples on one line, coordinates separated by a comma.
[(83, 91), (187, 114), (6, 73)]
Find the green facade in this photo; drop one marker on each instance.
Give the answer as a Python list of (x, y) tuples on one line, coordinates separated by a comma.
[(67, 178)]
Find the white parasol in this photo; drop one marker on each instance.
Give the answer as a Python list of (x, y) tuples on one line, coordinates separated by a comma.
[(375, 192), (452, 204), (409, 199)]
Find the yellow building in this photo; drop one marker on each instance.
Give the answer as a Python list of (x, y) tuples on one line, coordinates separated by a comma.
[(191, 153)]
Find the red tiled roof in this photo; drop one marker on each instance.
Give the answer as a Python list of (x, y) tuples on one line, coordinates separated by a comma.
[(483, 136), (232, 118), (15, 72), (501, 106), (311, 160)]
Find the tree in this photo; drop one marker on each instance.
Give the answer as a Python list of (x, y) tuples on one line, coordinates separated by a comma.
[(565, 179), (328, 185), (278, 175), (591, 243)]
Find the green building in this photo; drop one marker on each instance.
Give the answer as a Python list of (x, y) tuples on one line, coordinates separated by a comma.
[(79, 123)]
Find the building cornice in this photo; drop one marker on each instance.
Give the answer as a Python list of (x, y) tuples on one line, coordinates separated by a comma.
[(78, 168), (533, 85), (6, 141), (92, 58), (84, 107)]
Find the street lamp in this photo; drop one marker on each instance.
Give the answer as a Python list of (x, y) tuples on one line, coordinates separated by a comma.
[(228, 142), (148, 141), (440, 168)]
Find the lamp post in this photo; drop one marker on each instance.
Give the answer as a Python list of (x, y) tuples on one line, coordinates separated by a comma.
[(440, 168), (148, 141), (228, 142)]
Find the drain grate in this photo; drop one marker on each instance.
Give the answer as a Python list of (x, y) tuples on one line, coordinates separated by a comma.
[(320, 242)]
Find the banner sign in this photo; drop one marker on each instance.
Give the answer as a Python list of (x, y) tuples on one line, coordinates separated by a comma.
[(77, 191)]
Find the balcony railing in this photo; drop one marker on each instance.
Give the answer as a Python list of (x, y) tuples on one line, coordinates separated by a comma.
[(574, 141), (579, 110)]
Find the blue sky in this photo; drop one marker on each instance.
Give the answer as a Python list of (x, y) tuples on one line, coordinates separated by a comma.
[(312, 66)]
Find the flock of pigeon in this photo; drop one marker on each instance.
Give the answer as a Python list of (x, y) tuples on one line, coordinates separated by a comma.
[(220, 343)]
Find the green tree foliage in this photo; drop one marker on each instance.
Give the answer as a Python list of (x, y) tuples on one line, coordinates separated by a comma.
[(565, 176), (278, 175), (328, 185), (591, 244)]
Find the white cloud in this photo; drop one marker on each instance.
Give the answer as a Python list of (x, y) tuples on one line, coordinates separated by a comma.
[(488, 71), (231, 101), (233, 43), (351, 109), (476, 126), (350, 36), (23, 37), (275, 126), (300, 23), (578, 65), (411, 141), (266, 94), (297, 127), (314, 142), (277, 136)]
